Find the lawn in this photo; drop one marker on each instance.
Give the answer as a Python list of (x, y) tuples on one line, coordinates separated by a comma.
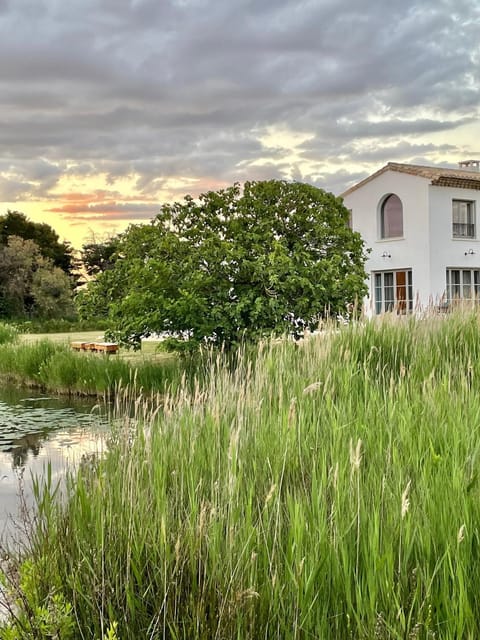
[(151, 350)]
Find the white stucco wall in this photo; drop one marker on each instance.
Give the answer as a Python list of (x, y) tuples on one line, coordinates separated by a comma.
[(410, 252), (427, 247), (446, 250)]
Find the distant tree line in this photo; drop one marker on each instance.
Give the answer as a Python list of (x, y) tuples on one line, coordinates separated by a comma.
[(37, 271), (268, 257)]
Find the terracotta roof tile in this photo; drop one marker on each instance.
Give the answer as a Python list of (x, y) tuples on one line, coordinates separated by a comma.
[(439, 176)]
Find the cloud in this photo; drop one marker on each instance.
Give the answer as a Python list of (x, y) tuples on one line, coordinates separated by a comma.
[(179, 94)]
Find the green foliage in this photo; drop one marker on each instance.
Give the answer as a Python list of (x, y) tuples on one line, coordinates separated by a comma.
[(14, 223), (24, 362), (99, 256), (233, 265), (327, 490), (92, 302), (34, 616), (30, 284), (52, 293), (57, 368), (59, 325), (111, 633), (8, 333)]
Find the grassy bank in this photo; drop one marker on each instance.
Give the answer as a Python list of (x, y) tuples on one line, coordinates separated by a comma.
[(48, 362), (329, 491)]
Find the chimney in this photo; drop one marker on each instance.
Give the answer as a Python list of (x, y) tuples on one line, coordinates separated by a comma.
[(470, 165)]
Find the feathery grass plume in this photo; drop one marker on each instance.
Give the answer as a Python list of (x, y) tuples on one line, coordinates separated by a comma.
[(333, 475), (406, 500), (270, 494), (292, 413), (355, 455), (461, 534), (312, 388), (246, 594)]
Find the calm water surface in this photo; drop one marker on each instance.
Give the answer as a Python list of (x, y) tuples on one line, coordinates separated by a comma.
[(36, 430)]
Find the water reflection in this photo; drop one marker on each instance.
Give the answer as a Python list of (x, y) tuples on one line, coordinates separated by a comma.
[(35, 431), (28, 421)]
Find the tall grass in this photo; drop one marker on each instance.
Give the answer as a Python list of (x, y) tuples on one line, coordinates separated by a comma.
[(56, 368), (329, 491), (8, 333)]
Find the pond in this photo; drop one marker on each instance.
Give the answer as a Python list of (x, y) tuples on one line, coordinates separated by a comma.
[(37, 430)]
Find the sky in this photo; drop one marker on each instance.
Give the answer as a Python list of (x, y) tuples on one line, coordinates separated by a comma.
[(109, 108)]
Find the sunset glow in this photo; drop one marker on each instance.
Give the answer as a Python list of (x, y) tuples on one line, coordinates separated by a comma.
[(109, 109)]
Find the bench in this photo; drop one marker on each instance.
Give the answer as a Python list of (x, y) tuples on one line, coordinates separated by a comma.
[(95, 347)]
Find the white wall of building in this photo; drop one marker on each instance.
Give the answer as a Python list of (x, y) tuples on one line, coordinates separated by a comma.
[(427, 247), (448, 251), (410, 252)]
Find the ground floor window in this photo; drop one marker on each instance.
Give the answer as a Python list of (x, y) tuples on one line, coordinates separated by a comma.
[(393, 291), (463, 284)]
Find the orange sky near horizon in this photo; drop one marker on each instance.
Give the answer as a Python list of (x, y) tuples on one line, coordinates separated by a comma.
[(75, 231), (82, 210)]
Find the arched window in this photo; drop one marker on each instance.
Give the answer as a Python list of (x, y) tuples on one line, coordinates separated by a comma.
[(391, 217)]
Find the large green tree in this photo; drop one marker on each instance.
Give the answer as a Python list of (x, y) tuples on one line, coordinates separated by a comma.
[(273, 257)]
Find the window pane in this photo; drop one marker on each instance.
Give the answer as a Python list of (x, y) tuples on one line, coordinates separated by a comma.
[(476, 281), (463, 219), (467, 284), (454, 284), (410, 291), (392, 217), (401, 291), (378, 293), (389, 292)]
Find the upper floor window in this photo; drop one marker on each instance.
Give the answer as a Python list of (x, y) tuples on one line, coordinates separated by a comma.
[(391, 217), (463, 219)]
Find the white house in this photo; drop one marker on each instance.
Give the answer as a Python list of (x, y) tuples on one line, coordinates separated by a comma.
[(422, 228)]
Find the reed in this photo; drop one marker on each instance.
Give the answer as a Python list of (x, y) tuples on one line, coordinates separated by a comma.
[(55, 368), (327, 490), (8, 333)]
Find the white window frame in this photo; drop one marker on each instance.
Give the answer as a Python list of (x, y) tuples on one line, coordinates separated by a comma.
[(382, 232), (462, 284), (464, 219), (385, 291)]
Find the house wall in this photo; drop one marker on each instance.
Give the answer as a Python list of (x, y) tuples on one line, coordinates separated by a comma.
[(446, 250), (411, 252)]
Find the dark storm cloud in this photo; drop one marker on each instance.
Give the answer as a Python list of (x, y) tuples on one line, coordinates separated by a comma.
[(188, 87)]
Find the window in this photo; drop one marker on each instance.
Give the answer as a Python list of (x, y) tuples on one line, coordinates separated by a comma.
[(393, 291), (463, 219), (463, 284), (391, 217)]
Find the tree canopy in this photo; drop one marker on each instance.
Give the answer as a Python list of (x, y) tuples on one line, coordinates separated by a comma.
[(15, 223), (99, 256), (30, 284), (273, 257)]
